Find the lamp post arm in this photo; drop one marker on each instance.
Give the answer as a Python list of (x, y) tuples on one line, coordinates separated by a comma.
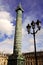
[(34, 32)]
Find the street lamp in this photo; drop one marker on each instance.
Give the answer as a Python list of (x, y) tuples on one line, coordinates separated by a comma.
[(33, 26)]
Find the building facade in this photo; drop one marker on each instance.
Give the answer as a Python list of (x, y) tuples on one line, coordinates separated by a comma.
[(30, 58), (3, 59)]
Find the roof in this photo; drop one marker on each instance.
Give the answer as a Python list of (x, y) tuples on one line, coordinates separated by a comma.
[(31, 54)]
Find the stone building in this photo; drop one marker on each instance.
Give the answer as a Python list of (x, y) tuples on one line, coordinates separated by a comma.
[(30, 58), (3, 59)]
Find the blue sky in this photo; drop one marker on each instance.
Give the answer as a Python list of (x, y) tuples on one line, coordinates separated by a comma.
[(33, 10)]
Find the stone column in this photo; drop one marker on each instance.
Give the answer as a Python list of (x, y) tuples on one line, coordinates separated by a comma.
[(18, 30), (18, 37), (17, 58)]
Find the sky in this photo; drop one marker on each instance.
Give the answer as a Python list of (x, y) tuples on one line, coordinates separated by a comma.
[(33, 10)]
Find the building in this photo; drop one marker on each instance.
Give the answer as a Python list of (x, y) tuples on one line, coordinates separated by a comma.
[(3, 59), (30, 58)]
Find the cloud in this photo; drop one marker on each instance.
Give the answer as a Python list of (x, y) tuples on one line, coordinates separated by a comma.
[(28, 20), (5, 22), (23, 31), (5, 18), (6, 46), (6, 28), (27, 42)]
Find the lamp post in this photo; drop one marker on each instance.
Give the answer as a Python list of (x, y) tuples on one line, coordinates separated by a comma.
[(33, 26)]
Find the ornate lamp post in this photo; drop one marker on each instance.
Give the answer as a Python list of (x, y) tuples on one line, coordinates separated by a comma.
[(33, 26)]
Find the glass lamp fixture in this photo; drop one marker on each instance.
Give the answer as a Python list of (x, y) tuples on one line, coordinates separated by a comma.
[(38, 23), (28, 28), (33, 24)]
